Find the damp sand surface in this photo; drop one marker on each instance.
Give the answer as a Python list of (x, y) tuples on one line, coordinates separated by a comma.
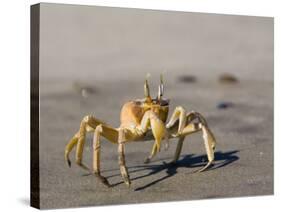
[(93, 60)]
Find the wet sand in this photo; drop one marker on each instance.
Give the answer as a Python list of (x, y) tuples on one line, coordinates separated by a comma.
[(109, 52)]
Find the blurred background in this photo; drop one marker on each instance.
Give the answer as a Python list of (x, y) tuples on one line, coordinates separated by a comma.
[(94, 59)]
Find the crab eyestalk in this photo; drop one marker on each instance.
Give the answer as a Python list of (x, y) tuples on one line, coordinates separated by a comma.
[(160, 88), (146, 91)]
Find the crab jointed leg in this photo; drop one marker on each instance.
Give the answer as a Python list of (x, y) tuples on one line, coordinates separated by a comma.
[(179, 114), (209, 140), (152, 154), (121, 157), (80, 148), (208, 137), (69, 147), (79, 140), (96, 155), (178, 149), (88, 124), (188, 127)]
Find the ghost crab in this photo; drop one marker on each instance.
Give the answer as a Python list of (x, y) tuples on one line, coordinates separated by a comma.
[(141, 120)]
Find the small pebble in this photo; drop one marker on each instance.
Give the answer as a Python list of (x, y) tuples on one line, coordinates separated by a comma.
[(187, 79), (83, 89), (227, 78), (224, 105)]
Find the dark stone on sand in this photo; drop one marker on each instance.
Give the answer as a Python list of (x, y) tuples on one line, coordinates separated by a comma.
[(224, 105), (187, 79), (228, 78)]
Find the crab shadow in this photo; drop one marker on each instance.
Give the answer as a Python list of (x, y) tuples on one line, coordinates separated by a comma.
[(188, 161)]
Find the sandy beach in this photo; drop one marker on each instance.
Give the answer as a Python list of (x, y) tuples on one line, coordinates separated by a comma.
[(107, 52)]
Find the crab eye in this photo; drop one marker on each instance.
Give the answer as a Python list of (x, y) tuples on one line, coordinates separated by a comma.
[(160, 88)]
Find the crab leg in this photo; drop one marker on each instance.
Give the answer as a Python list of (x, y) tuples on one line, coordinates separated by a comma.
[(209, 140), (88, 124), (80, 146), (96, 155), (79, 153), (121, 157), (153, 153), (179, 114), (69, 148), (190, 128), (178, 149), (208, 137), (79, 140)]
